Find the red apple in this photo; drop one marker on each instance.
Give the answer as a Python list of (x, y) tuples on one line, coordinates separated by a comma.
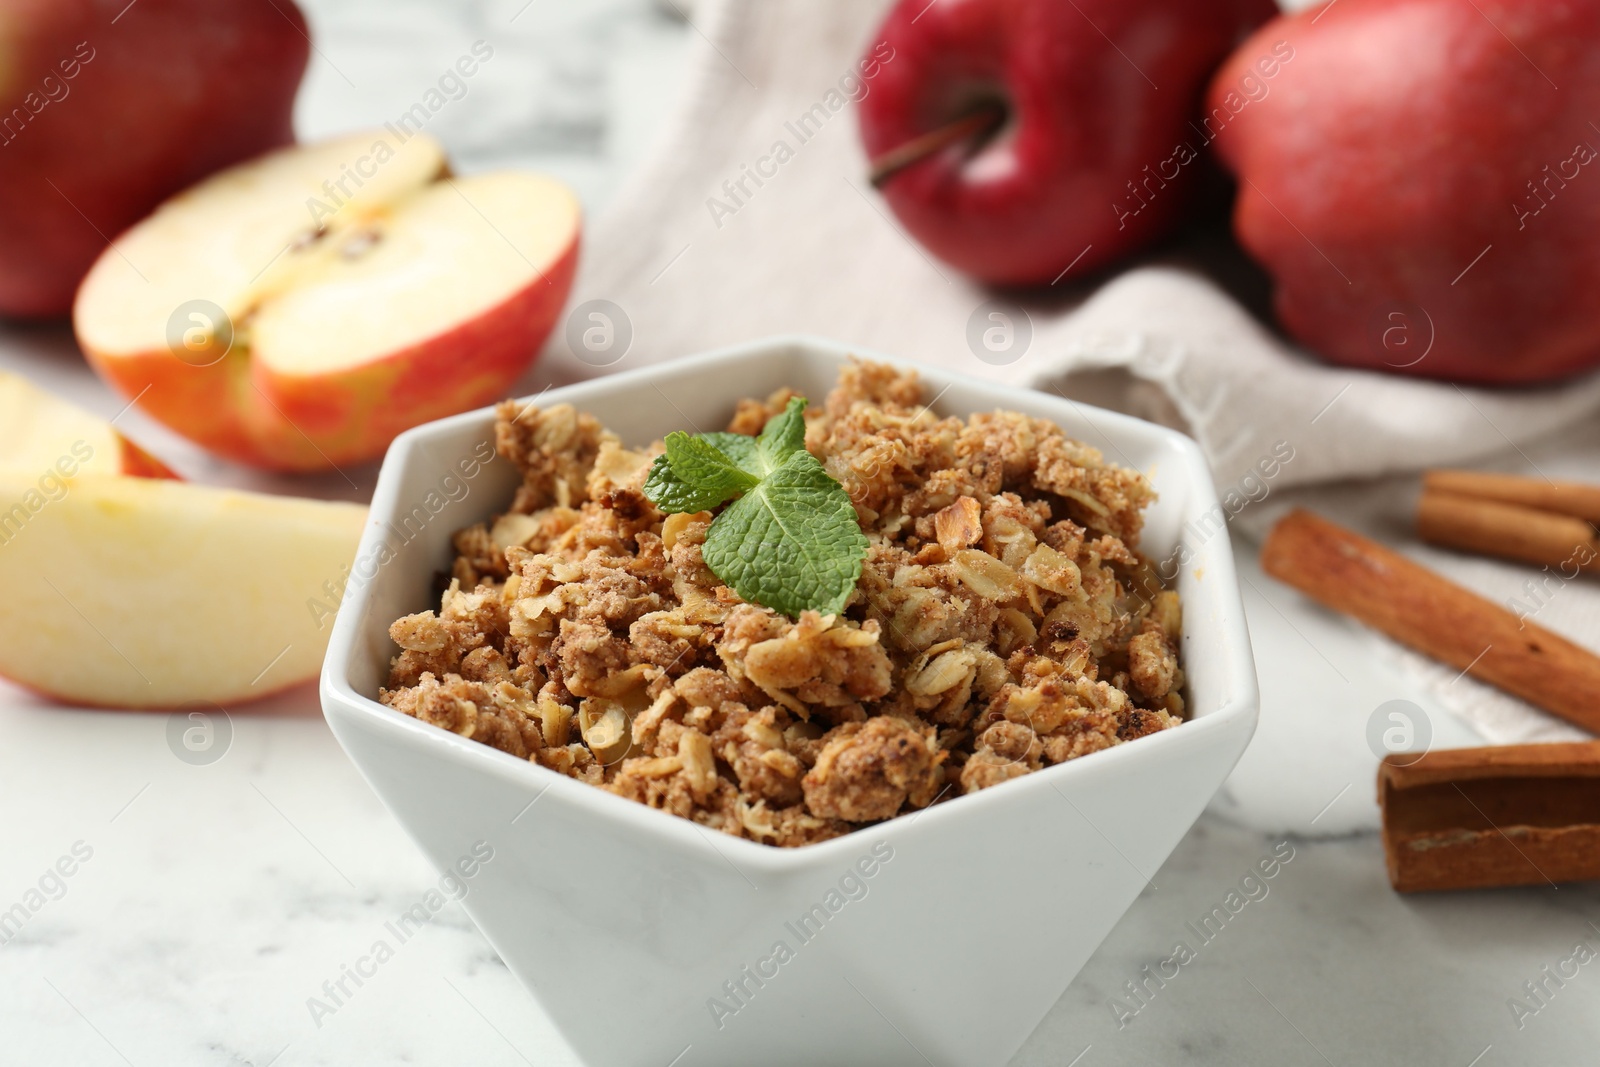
[(1422, 184), (1017, 139), (298, 311), (107, 108)]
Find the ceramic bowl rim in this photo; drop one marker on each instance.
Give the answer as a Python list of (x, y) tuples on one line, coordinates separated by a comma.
[(341, 700)]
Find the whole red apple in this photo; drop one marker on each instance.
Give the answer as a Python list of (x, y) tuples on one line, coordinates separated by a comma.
[(1422, 183), (107, 108), (1018, 139)]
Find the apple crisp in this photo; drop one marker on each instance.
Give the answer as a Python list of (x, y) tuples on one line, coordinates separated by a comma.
[(1004, 621)]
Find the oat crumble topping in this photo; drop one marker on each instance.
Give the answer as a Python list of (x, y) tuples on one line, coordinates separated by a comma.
[(995, 629)]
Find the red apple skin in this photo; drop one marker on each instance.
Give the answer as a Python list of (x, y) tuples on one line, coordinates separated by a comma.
[(1398, 145), (137, 463), (1086, 121), (242, 410), (175, 90)]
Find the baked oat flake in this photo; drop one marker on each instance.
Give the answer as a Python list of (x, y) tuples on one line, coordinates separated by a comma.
[(1003, 621)]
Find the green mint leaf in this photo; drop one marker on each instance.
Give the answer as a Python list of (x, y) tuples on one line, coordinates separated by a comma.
[(784, 434), (792, 543), (699, 462), (739, 447), (672, 494), (693, 475)]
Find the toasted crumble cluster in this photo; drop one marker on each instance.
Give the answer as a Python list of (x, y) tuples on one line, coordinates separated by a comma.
[(1004, 621)]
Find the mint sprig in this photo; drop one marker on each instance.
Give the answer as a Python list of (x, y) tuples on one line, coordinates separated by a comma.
[(789, 540)]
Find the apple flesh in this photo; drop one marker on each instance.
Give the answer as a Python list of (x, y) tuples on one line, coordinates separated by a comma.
[(1425, 198), (1090, 103), (298, 311), (40, 433), (106, 112), (146, 593)]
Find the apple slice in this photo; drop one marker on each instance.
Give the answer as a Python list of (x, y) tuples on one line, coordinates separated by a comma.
[(298, 311), (40, 433), (144, 593)]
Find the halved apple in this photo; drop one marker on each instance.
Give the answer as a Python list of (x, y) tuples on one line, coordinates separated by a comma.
[(145, 593), (298, 311), (40, 432)]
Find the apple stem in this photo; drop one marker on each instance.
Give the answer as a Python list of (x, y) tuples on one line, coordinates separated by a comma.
[(975, 126)]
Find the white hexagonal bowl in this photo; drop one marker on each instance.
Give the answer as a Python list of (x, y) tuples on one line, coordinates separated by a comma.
[(652, 941)]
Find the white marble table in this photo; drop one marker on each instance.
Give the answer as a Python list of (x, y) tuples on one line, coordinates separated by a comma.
[(208, 903)]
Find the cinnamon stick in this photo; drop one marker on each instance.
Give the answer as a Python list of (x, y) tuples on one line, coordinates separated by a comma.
[(1500, 816), (1428, 612), (1565, 498), (1511, 531)]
